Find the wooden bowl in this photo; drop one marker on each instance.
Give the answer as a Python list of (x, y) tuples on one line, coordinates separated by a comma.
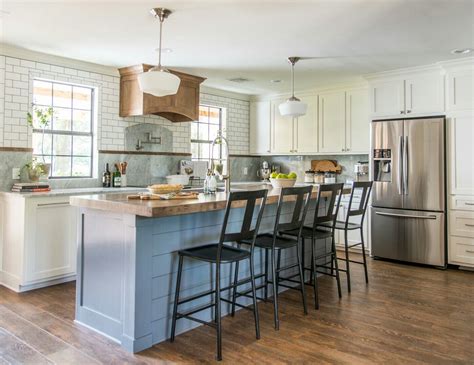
[(165, 188)]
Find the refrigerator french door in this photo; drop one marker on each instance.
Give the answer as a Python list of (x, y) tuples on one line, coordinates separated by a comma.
[(408, 202)]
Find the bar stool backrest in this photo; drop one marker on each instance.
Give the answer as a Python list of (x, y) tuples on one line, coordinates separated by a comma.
[(333, 194), (250, 226), (301, 196), (359, 209)]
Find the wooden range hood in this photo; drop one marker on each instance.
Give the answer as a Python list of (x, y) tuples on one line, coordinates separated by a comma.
[(181, 107)]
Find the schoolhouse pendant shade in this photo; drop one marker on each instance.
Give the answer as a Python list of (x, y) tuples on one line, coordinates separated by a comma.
[(158, 82), (293, 107)]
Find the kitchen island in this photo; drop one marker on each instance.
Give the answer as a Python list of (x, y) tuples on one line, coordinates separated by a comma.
[(127, 262)]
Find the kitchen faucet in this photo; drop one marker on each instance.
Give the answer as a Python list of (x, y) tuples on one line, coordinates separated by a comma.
[(218, 167)]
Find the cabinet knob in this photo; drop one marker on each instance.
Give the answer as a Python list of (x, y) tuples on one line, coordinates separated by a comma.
[(348, 149), (408, 111), (268, 151), (343, 149), (402, 112)]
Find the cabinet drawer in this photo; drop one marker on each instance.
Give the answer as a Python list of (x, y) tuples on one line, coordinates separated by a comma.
[(460, 202), (461, 250), (462, 224)]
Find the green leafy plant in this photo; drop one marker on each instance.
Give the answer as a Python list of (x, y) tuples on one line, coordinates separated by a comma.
[(35, 169), (43, 118), (39, 118)]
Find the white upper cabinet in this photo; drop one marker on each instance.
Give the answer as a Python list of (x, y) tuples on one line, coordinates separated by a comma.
[(332, 121), (461, 90), (306, 128), (416, 94), (357, 121), (387, 98), (282, 130), (424, 94), (260, 131)]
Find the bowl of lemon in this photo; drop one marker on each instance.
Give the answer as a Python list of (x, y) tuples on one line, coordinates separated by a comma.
[(283, 180)]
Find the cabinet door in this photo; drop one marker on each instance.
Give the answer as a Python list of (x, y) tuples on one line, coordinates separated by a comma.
[(332, 122), (461, 90), (461, 153), (260, 115), (357, 121), (51, 239), (306, 128), (425, 94), (387, 98), (282, 130)]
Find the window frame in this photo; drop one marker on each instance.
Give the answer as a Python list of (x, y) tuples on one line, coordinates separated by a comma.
[(71, 133), (208, 142)]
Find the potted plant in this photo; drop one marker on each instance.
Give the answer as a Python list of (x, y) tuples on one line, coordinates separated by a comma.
[(41, 118)]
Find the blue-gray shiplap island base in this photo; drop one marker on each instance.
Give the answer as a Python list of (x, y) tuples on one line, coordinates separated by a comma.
[(127, 262)]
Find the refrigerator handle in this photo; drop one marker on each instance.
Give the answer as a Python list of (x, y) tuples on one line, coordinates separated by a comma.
[(400, 165), (405, 166), (407, 215)]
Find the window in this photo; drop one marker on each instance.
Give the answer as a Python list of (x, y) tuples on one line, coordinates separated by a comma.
[(204, 130), (67, 142)]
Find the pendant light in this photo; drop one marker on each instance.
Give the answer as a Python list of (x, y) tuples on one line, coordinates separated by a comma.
[(158, 81), (293, 107)]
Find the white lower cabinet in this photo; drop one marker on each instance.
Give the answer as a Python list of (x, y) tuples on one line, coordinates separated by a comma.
[(38, 241)]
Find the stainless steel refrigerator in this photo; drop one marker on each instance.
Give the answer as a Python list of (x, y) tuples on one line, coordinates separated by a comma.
[(408, 217)]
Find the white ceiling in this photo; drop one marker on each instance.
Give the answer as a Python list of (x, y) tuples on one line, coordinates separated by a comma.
[(222, 39)]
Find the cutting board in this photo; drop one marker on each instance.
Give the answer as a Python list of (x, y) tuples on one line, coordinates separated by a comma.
[(326, 166)]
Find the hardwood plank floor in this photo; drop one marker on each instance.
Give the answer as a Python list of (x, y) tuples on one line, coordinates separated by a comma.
[(406, 315)]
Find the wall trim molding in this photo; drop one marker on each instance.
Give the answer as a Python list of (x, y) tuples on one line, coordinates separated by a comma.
[(146, 153), (15, 149)]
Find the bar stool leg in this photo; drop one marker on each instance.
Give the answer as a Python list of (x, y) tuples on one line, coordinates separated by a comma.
[(338, 279), (254, 295), (348, 273), (234, 290), (218, 314), (266, 273), (275, 294), (300, 268), (363, 255), (303, 256), (314, 273), (176, 298)]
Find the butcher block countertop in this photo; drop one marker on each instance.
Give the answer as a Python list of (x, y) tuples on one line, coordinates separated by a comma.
[(119, 203)]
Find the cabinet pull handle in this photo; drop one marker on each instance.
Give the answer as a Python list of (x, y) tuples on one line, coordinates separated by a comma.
[(469, 225), (52, 204), (470, 251), (469, 203), (402, 112), (408, 111)]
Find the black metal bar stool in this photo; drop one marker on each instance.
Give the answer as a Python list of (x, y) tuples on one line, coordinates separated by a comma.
[(355, 210), (332, 193), (274, 242), (220, 254)]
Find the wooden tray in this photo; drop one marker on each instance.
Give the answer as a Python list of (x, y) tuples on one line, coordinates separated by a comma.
[(326, 166)]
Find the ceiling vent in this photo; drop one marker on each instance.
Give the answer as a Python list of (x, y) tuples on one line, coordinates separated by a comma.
[(239, 80)]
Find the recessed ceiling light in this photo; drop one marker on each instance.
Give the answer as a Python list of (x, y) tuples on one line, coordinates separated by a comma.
[(461, 51), (164, 50), (277, 81), (239, 80)]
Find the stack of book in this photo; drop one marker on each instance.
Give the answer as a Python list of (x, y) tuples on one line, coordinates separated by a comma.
[(30, 187)]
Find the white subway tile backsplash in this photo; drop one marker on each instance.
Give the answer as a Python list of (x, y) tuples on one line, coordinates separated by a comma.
[(15, 84)]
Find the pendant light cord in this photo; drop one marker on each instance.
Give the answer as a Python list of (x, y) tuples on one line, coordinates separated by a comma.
[(159, 46), (293, 80)]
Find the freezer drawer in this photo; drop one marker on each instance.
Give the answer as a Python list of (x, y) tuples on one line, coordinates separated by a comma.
[(411, 236)]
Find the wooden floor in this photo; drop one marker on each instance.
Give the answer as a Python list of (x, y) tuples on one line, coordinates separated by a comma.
[(406, 315)]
